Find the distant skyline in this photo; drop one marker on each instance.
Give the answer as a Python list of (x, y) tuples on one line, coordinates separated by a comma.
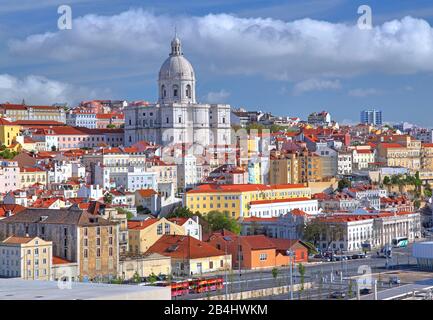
[(286, 57)]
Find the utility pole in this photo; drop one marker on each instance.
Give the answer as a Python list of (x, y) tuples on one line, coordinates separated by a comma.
[(290, 254), (375, 289)]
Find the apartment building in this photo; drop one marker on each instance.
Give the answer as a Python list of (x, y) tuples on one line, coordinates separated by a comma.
[(190, 256), (236, 199), (28, 176), (9, 176), (28, 258), (143, 234), (76, 236), (18, 112), (8, 132), (373, 230)]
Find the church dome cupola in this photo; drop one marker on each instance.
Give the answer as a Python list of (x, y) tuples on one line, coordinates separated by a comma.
[(176, 77), (176, 47)]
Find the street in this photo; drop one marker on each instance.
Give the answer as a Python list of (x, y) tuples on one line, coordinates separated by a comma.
[(327, 277)]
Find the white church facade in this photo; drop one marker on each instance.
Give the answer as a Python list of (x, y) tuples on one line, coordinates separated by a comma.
[(177, 118)]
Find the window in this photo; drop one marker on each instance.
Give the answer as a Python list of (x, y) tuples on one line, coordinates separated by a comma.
[(175, 90), (167, 228), (188, 91), (159, 229), (98, 252), (263, 256), (210, 264)]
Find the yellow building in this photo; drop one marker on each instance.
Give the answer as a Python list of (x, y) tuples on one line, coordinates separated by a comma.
[(403, 152), (310, 167), (8, 132), (284, 169), (30, 176), (143, 234), (145, 265), (427, 156), (236, 198), (26, 258)]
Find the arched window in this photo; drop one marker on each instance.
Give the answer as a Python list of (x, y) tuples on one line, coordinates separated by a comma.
[(188, 91), (175, 90), (163, 91)]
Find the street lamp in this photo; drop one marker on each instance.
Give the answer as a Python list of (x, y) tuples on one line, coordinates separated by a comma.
[(226, 240), (290, 254)]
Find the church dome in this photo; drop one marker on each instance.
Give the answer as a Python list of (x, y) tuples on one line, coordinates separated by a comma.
[(176, 77), (176, 67)]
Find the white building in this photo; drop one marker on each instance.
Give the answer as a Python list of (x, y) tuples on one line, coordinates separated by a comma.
[(187, 177), (81, 119), (374, 229), (135, 179), (344, 163), (16, 197), (361, 158), (177, 117), (279, 207), (93, 192), (191, 226)]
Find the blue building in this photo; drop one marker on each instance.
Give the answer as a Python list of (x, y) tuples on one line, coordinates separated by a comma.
[(373, 117)]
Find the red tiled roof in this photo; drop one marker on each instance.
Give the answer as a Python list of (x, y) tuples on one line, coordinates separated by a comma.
[(17, 240), (184, 247), (242, 187), (178, 221), (4, 122), (258, 242), (13, 208), (146, 192), (257, 219), (58, 260), (391, 145), (140, 225), (30, 169), (279, 200), (283, 244)]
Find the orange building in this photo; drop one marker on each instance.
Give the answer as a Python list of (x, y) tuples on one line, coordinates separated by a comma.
[(258, 251)]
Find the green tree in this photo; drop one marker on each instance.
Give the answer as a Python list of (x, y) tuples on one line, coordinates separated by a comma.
[(428, 192), (180, 212), (218, 220), (301, 270), (129, 214), (344, 183), (275, 274), (108, 198), (136, 277), (143, 210), (53, 148), (111, 126), (152, 278), (386, 181)]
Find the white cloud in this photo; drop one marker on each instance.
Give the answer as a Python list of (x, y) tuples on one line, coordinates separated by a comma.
[(217, 97), (40, 90), (364, 92), (227, 44), (315, 85)]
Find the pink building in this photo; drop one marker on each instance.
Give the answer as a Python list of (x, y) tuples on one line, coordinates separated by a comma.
[(9, 176)]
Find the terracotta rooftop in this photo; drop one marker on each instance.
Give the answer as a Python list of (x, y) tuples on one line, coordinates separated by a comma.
[(184, 247)]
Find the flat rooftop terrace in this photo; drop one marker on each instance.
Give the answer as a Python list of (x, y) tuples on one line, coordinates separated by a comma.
[(18, 289)]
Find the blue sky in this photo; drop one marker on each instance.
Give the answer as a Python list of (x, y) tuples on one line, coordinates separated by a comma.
[(287, 57)]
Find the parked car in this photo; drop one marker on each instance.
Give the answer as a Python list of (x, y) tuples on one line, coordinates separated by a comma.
[(337, 295), (394, 280), (348, 257), (364, 291)]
